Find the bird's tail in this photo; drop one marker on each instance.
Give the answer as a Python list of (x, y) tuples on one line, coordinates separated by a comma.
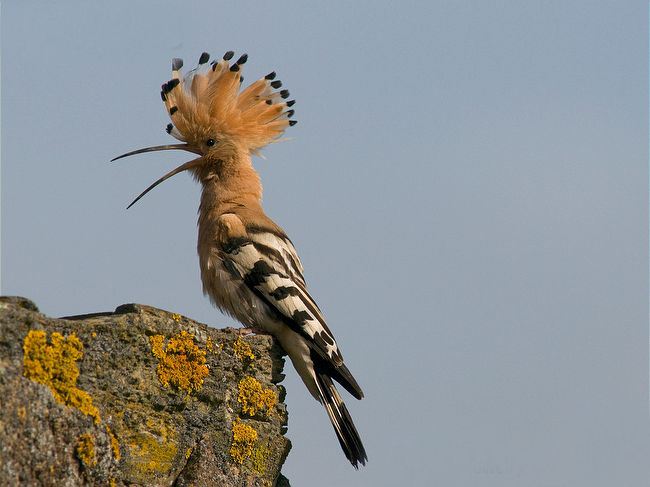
[(341, 420)]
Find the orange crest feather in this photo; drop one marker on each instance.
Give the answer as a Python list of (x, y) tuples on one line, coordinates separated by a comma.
[(208, 102)]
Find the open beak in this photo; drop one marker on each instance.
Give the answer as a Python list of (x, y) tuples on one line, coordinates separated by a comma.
[(156, 148), (183, 167)]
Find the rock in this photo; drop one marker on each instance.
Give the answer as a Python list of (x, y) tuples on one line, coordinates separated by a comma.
[(139, 396)]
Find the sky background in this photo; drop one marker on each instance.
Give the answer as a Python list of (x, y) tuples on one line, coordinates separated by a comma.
[(467, 187)]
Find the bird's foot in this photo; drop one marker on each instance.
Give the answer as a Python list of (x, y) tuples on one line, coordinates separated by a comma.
[(249, 330)]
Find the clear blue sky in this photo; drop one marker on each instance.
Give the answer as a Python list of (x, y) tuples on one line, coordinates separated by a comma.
[(467, 187)]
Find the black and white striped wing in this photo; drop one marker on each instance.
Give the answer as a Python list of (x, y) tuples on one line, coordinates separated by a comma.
[(282, 252), (270, 267)]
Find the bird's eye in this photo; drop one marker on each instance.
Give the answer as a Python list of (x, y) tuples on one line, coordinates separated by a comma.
[(210, 142)]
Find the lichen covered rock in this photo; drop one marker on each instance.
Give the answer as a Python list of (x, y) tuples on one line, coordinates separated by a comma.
[(137, 397)]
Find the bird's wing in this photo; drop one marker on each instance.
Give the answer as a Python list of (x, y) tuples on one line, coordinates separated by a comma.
[(281, 251), (269, 265)]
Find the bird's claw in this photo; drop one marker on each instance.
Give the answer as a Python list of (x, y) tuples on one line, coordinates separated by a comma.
[(249, 330)]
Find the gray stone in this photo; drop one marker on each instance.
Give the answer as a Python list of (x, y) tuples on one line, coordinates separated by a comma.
[(139, 396)]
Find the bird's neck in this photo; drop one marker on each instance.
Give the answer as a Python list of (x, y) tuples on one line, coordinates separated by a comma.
[(236, 186), (235, 189)]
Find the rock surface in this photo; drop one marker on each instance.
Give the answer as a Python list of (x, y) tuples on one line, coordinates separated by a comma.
[(140, 396)]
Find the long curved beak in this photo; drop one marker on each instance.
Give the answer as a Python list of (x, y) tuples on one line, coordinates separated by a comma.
[(186, 147), (183, 167)]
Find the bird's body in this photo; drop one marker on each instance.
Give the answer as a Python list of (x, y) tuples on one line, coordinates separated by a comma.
[(249, 267)]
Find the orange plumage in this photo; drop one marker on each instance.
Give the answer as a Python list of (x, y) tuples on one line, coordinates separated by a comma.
[(208, 103)]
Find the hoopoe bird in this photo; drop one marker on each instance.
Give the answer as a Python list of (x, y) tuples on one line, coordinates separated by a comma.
[(249, 267)]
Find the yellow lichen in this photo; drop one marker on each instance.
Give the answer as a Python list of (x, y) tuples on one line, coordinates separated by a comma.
[(182, 364), (115, 445), (176, 317), (260, 458), (112, 482), (243, 350), (243, 440), (188, 453), (149, 456), (85, 450), (209, 345), (254, 398), (55, 365), (22, 413)]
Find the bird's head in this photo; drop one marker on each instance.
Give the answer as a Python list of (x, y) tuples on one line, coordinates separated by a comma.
[(217, 121)]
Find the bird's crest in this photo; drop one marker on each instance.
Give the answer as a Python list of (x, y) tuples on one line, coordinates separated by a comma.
[(208, 102)]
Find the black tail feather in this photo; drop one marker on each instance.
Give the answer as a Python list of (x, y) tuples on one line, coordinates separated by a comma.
[(341, 420), (343, 376), (340, 374)]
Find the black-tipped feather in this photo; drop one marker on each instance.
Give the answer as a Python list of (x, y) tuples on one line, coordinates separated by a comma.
[(340, 418), (340, 373), (170, 85)]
